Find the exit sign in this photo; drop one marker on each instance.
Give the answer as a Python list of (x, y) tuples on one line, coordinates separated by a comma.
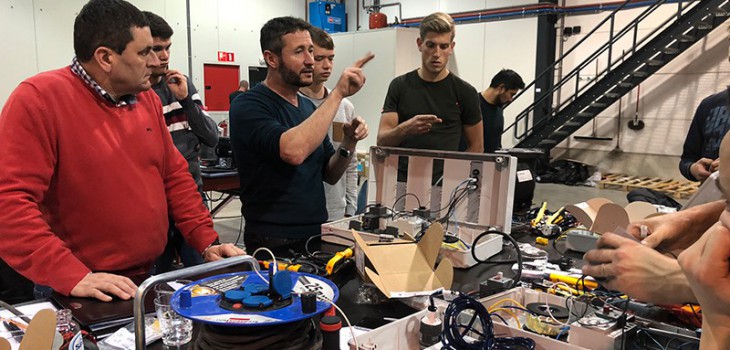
[(225, 56)]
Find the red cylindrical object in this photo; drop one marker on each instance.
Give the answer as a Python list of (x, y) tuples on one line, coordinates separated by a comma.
[(378, 20)]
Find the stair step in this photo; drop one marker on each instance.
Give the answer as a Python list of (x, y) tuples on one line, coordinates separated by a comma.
[(584, 115), (686, 38), (612, 95), (625, 84), (670, 50), (547, 142), (561, 133), (655, 63), (721, 13), (572, 125), (639, 74), (597, 105), (701, 25)]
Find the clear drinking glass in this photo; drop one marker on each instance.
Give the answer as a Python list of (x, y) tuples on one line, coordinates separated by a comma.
[(176, 330)]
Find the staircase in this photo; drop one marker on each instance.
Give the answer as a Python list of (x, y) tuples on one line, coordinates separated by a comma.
[(692, 22)]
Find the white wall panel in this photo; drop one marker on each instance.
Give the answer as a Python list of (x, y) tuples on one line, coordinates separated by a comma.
[(19, 59)]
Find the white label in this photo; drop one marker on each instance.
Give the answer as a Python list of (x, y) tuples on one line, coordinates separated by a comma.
[(583, 205), (524, 175)]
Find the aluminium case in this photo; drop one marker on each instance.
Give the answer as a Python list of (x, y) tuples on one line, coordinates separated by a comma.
[(489, 206)]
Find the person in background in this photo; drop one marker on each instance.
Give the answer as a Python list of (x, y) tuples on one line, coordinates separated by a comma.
[(707, 266), (341, 197), (430, 107), (502, 89), (283, 141), (242, 87), (88, 171), (702, 144), (189, 126)]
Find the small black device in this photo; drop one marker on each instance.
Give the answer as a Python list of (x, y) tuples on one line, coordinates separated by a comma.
[(224, 152), (345, 153)]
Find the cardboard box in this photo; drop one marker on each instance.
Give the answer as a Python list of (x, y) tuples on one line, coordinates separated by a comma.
[(404, 268), (602, 215)]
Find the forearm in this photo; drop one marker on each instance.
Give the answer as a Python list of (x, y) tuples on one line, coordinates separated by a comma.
[(297, 143), (200, 123), (714, 336), (337, 164), (702, 217), (678, 283), (390, 131)]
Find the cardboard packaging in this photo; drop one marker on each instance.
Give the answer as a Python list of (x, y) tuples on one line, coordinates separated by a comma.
[(602, 215), (404, 268)]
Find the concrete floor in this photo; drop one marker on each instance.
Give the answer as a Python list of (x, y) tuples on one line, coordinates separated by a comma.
[(228, 221)]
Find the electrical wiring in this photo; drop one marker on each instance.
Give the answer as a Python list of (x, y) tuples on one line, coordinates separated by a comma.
[(349, 325), (507, 300), (692, 307), (404, 196), (548, 308), (474, 244), (509, 312), (562, 331), (499, 317), (273, 258), (562, 236), (312, 255), (452, 336)]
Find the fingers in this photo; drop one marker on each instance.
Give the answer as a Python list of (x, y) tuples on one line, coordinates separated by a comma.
[(228, 250), (715, 165), (598, 256), (365, 59), (705, 161), (218, 252), (103, 285), (98, 294), (361, 131), (612, 240)]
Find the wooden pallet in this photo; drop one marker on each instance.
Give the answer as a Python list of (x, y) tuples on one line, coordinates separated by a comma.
[(676, 189)]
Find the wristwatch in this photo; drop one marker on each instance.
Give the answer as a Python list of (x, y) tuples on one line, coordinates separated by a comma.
[(345, 153)]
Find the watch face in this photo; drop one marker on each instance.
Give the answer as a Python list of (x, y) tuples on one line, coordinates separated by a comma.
[(345, 153)]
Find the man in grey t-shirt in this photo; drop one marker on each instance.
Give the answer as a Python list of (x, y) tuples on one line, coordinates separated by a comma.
[(342, 196)]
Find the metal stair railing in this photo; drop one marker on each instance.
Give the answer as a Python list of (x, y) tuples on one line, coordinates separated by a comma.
[(607, 47)]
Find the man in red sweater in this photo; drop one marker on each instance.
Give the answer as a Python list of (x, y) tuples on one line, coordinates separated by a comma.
[(88, 170)]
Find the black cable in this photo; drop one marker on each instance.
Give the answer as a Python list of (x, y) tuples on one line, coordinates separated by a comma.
[(692, 307), (512, 240), (452, 337), (306, 244), (404, 196), (562, 253)]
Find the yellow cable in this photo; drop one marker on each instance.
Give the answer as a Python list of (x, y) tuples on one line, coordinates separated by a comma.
[(504, 301)]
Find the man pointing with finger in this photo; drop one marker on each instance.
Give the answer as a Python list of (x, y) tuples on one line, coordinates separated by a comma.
[(281, 141), (430, 107)]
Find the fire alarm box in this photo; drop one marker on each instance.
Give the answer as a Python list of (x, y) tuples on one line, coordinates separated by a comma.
[(330, 16)]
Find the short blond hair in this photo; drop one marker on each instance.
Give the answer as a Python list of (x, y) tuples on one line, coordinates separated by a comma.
[(437, 22)]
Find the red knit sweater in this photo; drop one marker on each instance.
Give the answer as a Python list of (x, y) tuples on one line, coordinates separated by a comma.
[(86, 186)]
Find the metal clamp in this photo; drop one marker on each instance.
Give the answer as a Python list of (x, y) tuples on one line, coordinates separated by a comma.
[(139, 312)]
